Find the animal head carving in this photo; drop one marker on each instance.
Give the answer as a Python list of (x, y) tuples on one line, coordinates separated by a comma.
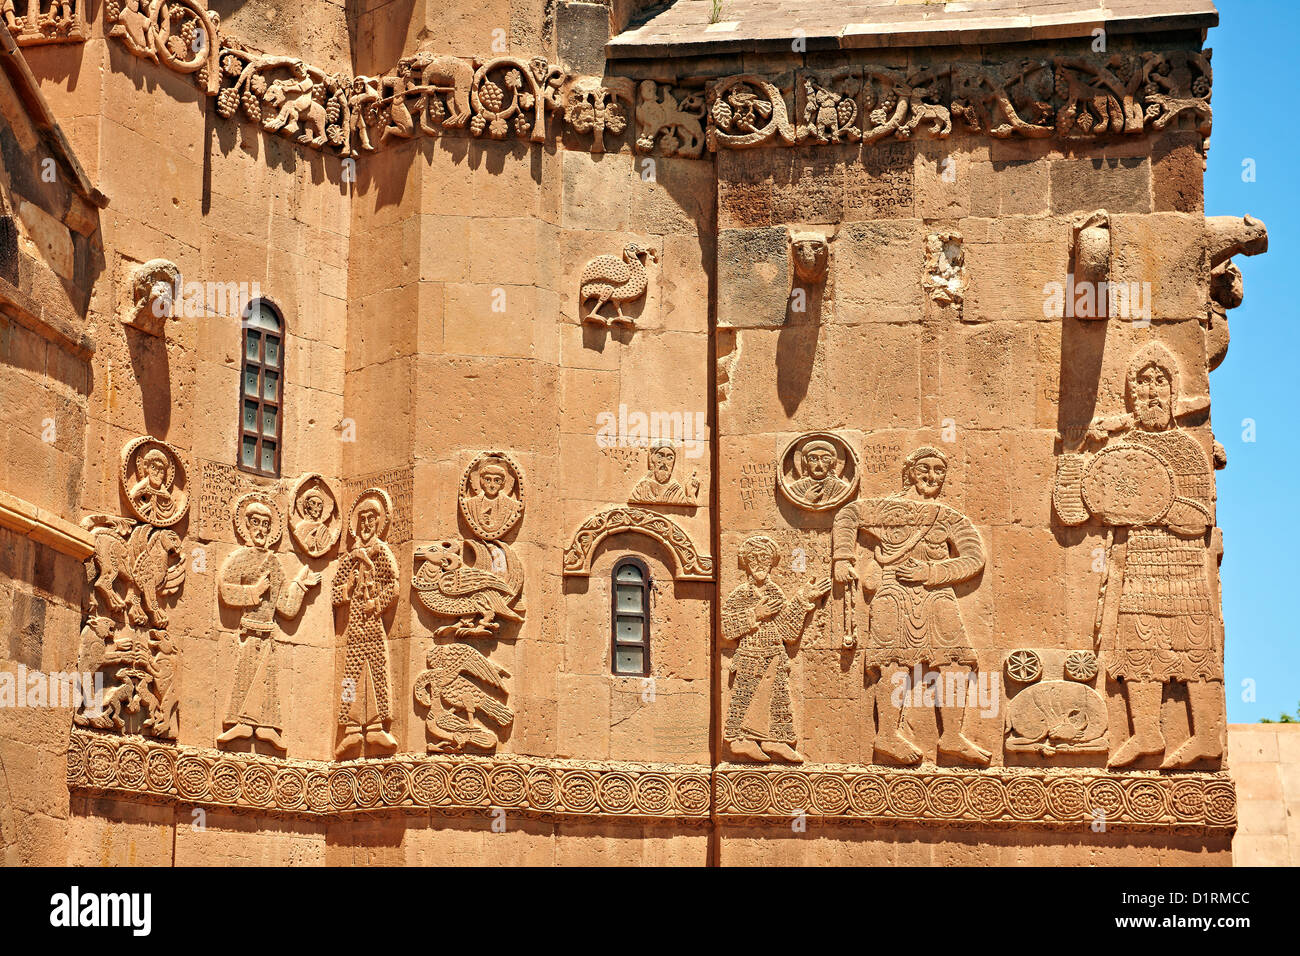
[(811, 253)]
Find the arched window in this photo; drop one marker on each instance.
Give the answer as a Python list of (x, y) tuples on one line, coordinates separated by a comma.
[(630, 618), (261, 390)]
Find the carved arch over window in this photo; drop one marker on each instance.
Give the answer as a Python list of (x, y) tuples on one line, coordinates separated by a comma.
[(261, 390), (689, 564)]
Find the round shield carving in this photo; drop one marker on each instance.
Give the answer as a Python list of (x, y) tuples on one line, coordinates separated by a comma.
[(1127, 485)]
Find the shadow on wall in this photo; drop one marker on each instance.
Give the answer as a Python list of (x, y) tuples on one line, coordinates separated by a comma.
[(8, 831)]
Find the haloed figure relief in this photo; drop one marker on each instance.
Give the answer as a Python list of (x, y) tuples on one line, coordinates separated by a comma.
[(919, 548), (252, 580), (366, 584), (1153, 491), (763, 621)]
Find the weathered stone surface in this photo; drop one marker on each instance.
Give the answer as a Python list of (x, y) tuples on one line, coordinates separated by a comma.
[(659, 453)]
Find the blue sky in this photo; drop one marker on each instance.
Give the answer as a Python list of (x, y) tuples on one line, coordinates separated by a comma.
[(1254, 118)]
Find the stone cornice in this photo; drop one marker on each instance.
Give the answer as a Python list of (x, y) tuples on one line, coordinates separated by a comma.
[(44, 527), (137, 769), (1073, 98)]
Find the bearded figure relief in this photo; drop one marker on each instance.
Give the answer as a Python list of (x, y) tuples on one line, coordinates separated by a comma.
[(918, 549), (658, 487), (252, 579), (819, 471), (1151, 487)]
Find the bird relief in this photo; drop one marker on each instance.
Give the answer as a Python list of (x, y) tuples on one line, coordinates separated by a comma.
[(614, 280), (477, 580), (125, 633)]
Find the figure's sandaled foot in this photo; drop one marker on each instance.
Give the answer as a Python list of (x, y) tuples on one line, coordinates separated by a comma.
[(747, 750), (959, 747), (378, 737), (271, 736), (236, 732), (774, 748), (898, 749), (350, 740), (1136, 747), (1192, 749)]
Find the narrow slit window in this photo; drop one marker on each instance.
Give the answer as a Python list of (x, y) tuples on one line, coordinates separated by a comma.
[(630, 618), (261, 393)]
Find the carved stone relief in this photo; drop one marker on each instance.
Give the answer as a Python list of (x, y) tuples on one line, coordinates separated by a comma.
[(1060, 713), (918, 549), (125, 635), (1092, 243), (690, 565), (818, 471), (153, 288), (658, 487), (828, 107), (593, 107), (177, 34), (153, 477), (747, 111), (314, 519), (810, 253), (460, 685), (284, 95), (763, 622), (671, 119), (365, 584), (945, 268), (476, 582), (1151, 488), (45, 21), (614, 279), (1227, 236), (252, 580), (474, 592)]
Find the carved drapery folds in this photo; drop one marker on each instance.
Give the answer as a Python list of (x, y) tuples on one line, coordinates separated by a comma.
[(34, 22), (137, 563)]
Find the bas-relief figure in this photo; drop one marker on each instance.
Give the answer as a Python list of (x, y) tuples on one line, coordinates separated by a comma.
[(919, 548), (1152, 488), (477, 594), (125, 635), (658, 487), (252, 580), (1054, 715), (492, 495), (314, 522), (818, 471), (365, 584), (152, 474), (763, 622)]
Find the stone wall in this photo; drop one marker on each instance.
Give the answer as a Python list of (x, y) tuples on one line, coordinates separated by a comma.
[(1266, 770), (508, 269)]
